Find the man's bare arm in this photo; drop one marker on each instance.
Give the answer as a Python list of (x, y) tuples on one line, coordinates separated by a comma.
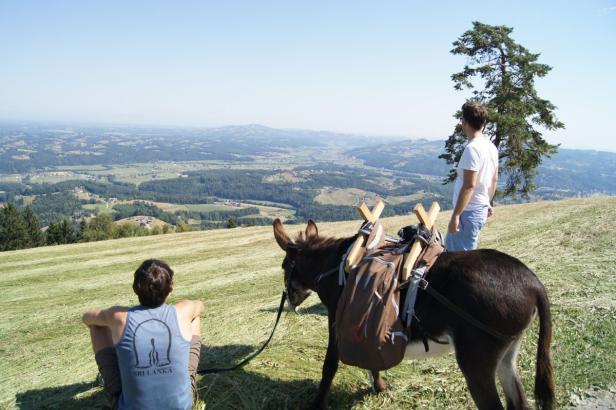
[(466, 192), (190, 308), (492, 193), (96, 317), (101, 317), (464, 197), (493, 186)]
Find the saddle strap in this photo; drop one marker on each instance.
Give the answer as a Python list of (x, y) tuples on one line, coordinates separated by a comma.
[(464, 315)]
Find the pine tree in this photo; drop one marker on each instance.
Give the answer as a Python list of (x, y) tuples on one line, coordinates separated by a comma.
[(13, 234), (59, 233), (507, 73), (82, 227), (33, 228), (231, 223)]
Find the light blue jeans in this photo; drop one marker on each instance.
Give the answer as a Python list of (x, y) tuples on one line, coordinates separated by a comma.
[(467, 238)]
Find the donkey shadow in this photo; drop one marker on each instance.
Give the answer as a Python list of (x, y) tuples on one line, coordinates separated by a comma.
[(238, 389)]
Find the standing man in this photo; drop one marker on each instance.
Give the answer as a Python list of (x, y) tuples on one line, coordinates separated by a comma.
[(476, 182), (148, 355)]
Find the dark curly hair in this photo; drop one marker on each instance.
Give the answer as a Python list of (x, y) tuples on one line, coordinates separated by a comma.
[(152, 283)]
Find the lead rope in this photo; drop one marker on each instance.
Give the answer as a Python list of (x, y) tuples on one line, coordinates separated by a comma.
[(212, 370)]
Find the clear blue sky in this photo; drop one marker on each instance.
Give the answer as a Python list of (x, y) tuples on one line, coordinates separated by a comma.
[(379, 68)]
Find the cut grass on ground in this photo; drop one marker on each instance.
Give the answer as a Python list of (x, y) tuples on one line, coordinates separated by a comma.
[(47, 361)]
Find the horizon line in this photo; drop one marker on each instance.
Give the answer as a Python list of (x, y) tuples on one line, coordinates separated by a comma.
[(212, 127)]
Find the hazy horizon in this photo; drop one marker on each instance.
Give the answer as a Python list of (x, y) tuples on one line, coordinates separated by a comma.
[(196, 127)]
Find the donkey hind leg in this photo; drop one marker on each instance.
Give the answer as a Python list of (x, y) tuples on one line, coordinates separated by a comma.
[(509, 378), (478, 362)]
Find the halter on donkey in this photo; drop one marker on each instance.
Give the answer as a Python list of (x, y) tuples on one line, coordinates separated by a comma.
[(492, 288)]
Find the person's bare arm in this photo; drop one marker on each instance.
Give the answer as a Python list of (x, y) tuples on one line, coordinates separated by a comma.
[(493, 191), (493, 186), (98, 317), (466, 192), (190, 308)]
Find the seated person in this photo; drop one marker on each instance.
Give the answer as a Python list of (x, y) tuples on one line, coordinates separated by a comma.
[(147, 355)]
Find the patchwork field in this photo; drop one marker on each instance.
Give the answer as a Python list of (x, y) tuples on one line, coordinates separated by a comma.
[(344, 196), (46, 360)]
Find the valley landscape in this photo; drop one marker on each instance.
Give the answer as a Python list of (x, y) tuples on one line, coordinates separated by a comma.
[(244, 175)]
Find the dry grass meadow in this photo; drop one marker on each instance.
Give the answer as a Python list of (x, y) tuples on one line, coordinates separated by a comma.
[(46, 361)]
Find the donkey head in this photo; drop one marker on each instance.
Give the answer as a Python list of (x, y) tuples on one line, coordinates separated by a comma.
[(298, 275)]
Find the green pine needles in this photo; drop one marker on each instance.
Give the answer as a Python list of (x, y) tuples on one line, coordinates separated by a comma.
[(501, 75)]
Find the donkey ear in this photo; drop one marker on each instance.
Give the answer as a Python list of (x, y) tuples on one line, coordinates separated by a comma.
[(280, 235), (311, 230)]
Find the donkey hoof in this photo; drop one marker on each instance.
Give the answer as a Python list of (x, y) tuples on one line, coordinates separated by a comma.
[(379, 386)]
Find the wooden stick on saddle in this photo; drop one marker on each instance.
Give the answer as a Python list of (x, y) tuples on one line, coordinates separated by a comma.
[(428, 220), (357, 248)]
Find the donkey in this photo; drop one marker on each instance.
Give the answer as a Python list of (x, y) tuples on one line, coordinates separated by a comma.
[(493, 287)]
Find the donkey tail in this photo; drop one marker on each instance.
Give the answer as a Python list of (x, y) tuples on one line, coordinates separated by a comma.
[(544, 377)]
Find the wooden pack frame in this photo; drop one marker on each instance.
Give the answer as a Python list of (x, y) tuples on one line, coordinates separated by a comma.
[(357, 250), (428, 219)]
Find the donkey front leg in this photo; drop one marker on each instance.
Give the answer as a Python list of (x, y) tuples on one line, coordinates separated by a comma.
[(377, 382), (330, 367)]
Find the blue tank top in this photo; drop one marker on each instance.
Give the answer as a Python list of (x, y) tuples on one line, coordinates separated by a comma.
[(153, 361)]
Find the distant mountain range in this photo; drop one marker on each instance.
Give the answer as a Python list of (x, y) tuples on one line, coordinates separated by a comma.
[(27, 147), (24, 147), (569, 171)]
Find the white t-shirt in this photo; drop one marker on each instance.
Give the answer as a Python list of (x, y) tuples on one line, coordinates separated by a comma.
[(482, 156)]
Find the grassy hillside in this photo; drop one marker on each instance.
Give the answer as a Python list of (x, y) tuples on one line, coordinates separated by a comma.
[(46, 361)]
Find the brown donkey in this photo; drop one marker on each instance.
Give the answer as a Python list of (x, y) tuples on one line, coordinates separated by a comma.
[(493, 287)]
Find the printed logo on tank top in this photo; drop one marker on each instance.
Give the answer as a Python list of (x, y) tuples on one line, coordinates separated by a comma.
[(152, 353)]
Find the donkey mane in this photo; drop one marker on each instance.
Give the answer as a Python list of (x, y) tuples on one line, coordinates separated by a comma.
[(318, 243)]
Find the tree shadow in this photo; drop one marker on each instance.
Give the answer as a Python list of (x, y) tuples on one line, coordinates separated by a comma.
[(238, 389)]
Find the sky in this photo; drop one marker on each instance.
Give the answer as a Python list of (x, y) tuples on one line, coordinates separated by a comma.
[(367, 67)]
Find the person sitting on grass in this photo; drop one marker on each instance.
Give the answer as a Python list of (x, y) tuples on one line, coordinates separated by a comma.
[(148, 355)]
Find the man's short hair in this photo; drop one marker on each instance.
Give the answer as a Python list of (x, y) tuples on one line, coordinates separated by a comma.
[(474, 114), (152, 283)]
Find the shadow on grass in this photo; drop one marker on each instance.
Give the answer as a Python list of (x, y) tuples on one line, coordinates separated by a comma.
[(243, 389), (238, 389), (64, 397), (246, 389)]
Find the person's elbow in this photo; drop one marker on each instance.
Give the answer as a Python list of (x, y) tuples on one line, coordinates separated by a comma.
[(86, 318), (94, 318), (200, 308)]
